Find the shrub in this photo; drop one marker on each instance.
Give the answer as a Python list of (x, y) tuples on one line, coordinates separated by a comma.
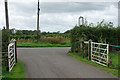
[(5, 42), (53, 40), (97, 34)]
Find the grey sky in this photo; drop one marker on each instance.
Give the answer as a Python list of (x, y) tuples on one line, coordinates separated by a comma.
[(57, 16)]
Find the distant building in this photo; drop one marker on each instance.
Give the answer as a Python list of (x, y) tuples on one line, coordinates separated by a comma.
[(14, 31)]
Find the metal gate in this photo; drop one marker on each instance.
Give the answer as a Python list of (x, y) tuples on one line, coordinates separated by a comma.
[(99, 53), (11, 55)]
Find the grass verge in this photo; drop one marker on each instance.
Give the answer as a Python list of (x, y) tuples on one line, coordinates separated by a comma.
[(112, 71), (42, 44), (17, 72)]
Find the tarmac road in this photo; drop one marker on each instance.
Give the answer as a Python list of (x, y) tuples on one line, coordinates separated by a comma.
[(56, 63)]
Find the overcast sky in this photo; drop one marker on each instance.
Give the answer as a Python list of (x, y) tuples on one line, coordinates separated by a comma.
[(59, 15)]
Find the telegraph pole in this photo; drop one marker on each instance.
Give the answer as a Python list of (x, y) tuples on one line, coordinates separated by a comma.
[(7, 27), (38, 22), (7, 19), (6, 15)]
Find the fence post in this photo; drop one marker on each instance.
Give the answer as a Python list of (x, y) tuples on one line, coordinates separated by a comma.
[(16, 51), (89, 49)]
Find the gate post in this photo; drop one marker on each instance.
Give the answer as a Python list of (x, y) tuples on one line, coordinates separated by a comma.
[(89, 49), (16, 50)]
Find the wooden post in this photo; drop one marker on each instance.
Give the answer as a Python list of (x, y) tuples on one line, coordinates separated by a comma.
[(16, 51), (89, 50)]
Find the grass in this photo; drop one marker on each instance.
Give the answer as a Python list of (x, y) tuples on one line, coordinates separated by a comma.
[(17, 72), (0, 72), (43, 44), (110, 70), (114, 60)]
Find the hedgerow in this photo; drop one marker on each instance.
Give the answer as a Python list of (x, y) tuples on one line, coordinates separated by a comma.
[(103, 33)]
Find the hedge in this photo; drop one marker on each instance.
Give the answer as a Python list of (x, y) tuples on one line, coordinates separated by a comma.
[(98, 34)]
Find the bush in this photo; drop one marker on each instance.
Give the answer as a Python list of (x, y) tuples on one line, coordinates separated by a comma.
[(5, 42), (53, 40), (101, 34)]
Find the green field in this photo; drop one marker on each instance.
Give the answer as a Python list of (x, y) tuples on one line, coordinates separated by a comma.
[(43, 44), (110, 70), (17, 72)]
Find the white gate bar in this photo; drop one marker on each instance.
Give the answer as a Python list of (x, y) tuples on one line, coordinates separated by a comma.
[(99, 48), (91, 49), (99, 52), (107, 54), (99, 43), (86, 42), (99, 63), (99, 57)]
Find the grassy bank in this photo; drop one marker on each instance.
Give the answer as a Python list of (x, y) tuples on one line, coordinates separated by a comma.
[(110, 70), (17, 72), (43, 44), (114, 60)]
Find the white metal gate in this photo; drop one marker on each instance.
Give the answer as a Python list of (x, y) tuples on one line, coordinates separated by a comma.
[(99, 53), (11, 56)]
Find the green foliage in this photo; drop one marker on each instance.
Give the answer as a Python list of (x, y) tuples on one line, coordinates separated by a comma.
[(103, 33), (0, 35), (5, 40), (53, 40), (29, 34), (17, 72), (78, 35), (114, 60), (43, 44)]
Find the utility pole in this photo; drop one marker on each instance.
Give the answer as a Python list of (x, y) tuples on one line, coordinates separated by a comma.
[(38, 22), (6, 15), (7, 27)]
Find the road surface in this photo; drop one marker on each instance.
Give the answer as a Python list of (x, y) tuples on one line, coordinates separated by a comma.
[(56, 63)]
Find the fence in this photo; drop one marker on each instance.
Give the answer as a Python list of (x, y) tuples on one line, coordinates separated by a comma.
[(98, 52), (12, 55)]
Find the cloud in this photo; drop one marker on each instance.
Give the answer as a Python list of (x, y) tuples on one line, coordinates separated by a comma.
[(108, 14), (57, 16), (28, 1), (71, 7)]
